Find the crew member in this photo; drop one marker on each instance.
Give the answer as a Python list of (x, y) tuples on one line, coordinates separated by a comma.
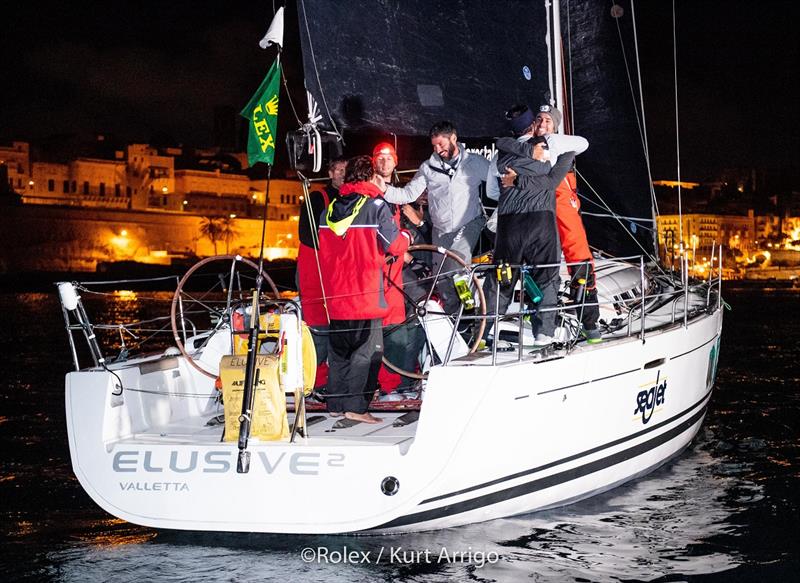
[(402, 337), (574, 244), (453, 178), (356, 233), (308, 274), (526, 228)]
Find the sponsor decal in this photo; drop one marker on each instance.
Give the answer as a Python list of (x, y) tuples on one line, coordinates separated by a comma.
[(648, 399), (713, 359), (487, 152), (241, 361)]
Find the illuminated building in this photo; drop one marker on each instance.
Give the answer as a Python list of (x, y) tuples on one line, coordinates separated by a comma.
[(144, 178), (142, 204)]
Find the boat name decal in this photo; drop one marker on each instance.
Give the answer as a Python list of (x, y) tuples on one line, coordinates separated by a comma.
[(154, 486), (648, 399), (222, 461)]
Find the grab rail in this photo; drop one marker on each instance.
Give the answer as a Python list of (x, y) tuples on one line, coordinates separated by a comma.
[(629, 304), (639, 303)]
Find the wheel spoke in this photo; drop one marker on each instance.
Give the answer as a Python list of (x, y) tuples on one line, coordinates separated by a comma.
[(212, 307), (420, 292)]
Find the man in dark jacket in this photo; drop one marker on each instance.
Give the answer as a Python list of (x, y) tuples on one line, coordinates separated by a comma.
[(356, 233), (526, 227)]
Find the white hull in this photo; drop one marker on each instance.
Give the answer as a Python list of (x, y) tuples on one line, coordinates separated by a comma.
[(490, 442)]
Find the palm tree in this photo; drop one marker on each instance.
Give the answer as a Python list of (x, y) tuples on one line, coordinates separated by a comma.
[(228, 231), (212, 229)]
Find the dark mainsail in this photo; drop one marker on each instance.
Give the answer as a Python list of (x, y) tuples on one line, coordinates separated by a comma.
[(402, 66), (603, 108), (398, 67)]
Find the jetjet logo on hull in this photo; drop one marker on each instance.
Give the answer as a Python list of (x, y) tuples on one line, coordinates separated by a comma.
[(648, 399)]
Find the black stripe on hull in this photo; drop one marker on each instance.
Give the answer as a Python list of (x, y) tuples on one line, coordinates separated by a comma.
[(693, 349), (597, 380), (591, 451), (552, 480)]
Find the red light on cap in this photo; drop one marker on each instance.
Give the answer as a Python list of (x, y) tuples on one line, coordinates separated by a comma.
[(383, 149)]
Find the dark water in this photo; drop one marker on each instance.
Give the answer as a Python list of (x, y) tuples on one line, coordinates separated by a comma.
[(726, 510)]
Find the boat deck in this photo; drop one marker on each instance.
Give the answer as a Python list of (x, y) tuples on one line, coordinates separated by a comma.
[(322, 430), (655, 324), (398, 424)]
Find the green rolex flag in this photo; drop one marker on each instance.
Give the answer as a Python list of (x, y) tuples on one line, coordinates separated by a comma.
[(262, 115)]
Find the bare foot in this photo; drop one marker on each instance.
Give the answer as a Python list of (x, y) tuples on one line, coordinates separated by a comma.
[(363, 417), (335, 413)]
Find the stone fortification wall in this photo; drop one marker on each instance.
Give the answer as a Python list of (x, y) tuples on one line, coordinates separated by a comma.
[(50, 238)]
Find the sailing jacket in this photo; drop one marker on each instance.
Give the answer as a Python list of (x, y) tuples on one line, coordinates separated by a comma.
[(318, 201), (536, 181), (453, 201), (574, 244), (355, 234), (393, 271), (558, 143), (308, 276)]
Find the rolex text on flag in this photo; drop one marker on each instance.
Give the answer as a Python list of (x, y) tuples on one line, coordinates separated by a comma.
[(262, 115)]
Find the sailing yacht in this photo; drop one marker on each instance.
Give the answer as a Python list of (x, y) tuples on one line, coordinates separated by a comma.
[(496, 434)]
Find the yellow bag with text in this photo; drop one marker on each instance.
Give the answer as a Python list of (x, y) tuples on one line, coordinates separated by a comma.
[(269, 421), (270, 327), (270, 324)]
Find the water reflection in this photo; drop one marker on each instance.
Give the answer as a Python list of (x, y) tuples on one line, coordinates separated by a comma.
[(671, 522), (132, 320), (125, 295), (657, 526), (114, 532)]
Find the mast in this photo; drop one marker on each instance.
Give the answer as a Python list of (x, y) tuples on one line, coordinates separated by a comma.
[(558, 65), (554, 61), (550, 43), (653, 201)]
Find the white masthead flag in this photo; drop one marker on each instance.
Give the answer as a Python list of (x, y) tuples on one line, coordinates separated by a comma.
[(275, 33)]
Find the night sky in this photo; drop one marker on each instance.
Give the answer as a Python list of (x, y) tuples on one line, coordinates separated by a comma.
[(137, 70)]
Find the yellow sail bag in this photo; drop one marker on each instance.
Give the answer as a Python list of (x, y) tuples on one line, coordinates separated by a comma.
[(269, 421)]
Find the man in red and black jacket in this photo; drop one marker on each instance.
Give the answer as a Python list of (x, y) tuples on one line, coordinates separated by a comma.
[(356, 233), (309, 282)]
